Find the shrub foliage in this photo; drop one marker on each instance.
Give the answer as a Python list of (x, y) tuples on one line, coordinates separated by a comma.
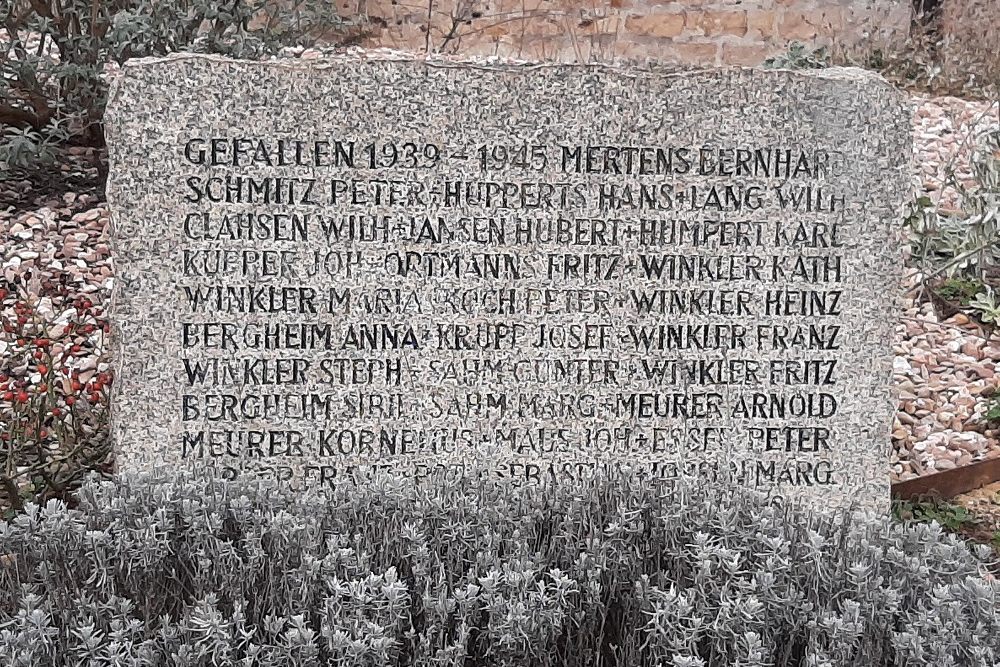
[(53, 415), (53, 55), (196, 572)]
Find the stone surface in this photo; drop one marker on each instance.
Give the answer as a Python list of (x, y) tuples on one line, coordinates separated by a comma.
[(490, 311)]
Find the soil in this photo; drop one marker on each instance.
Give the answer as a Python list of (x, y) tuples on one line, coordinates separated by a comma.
[(81, 170), (984, 506)]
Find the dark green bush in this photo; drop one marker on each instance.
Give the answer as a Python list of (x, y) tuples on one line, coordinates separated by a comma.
[(53, 55), (190, 572)]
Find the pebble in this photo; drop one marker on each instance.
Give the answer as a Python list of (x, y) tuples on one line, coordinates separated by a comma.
[(940, 127)]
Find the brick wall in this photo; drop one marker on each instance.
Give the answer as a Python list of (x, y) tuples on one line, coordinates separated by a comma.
[(700, 32), (970, 46)]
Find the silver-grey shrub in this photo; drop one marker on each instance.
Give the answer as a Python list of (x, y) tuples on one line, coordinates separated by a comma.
[(467, 573)]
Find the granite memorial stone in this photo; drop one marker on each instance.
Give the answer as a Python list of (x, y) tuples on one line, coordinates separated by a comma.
[(327, 268)]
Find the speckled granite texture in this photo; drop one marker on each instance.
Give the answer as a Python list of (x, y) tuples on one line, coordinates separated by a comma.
[(539, 268)]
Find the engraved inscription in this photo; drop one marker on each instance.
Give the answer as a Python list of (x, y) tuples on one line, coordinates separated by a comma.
[(427, 285)]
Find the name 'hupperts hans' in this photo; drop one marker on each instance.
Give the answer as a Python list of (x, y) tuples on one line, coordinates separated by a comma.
[(254, 154)]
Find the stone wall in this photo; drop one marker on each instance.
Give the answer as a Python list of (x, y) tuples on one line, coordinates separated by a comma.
[(698, 32)]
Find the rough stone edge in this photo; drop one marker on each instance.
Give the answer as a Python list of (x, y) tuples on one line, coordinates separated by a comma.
[(114, 338), (495, 63), (490, 63)]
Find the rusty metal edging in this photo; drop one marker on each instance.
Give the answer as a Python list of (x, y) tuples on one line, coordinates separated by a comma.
[(949, 483)]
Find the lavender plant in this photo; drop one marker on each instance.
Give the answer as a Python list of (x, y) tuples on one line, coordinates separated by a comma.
[(193, 572)]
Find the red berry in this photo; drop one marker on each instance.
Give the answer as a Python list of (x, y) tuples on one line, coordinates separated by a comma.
[(22, 396), (76, 386), (43, 369), (75, 349), (8, 396), (95, 398), (39, 354), (22, 320), (42, 342), (56, 412), (70, 400), (43, 433), (42, 388)]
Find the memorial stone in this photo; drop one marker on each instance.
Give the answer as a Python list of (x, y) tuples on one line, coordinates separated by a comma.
[(370, 262)]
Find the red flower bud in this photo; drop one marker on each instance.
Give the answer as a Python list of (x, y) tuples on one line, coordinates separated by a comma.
[(42, 388), (39, 354), (43, 369), (22, 396), (42, 342), (8, 396)]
